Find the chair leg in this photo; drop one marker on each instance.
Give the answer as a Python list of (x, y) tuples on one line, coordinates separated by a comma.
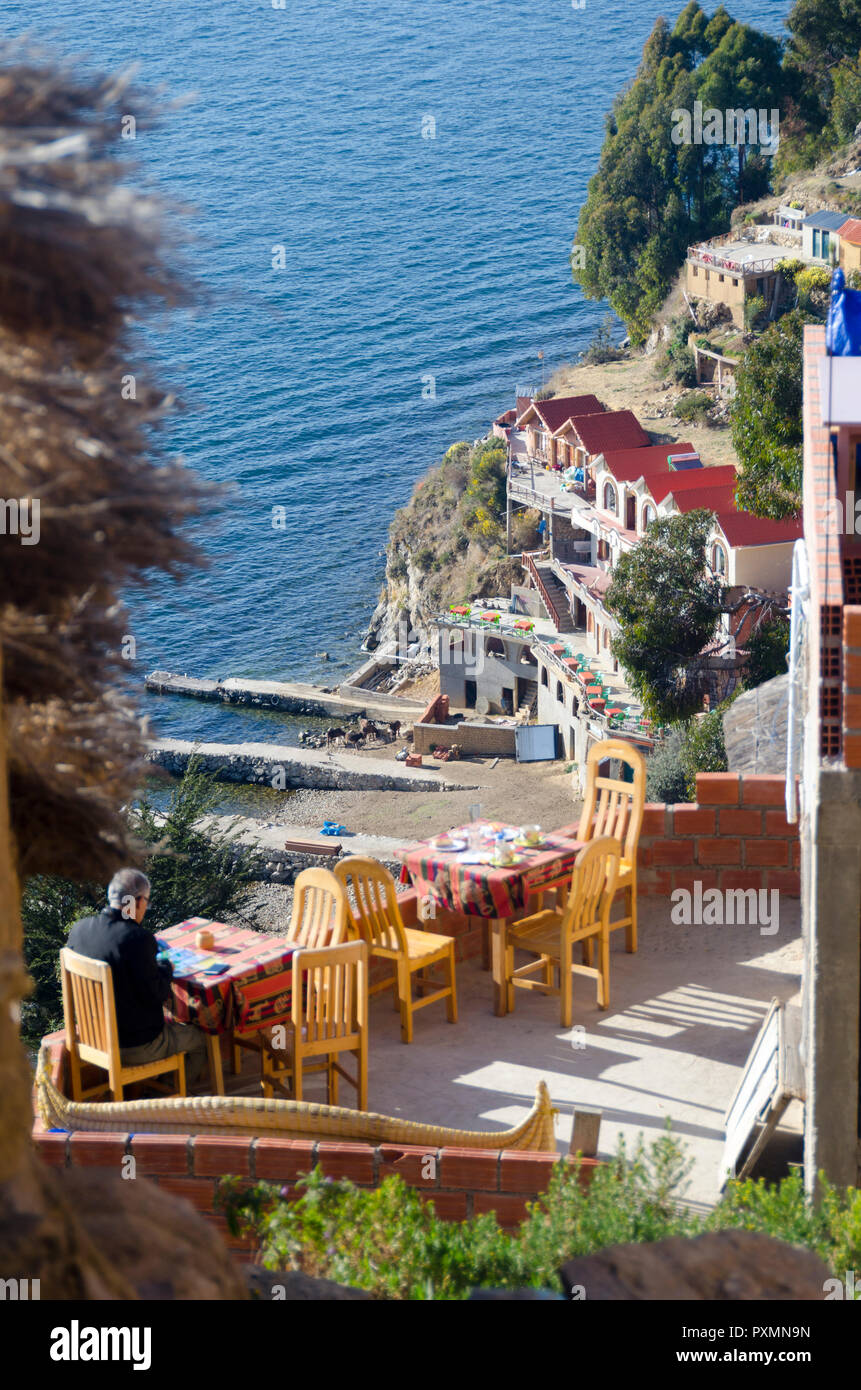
[(332, 1088), (180, 1067), (604, 966), (405, 989), (451, 1001), (631, 929), (237, 1058), (362, 1099), (297, 1078), (566, 993)]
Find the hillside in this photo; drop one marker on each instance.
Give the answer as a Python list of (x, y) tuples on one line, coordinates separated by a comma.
[(448, 542)]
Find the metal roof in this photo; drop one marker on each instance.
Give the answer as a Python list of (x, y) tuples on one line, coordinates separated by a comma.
[(828, 221)]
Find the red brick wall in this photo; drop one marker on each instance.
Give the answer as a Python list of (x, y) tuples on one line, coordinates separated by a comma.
[(852, 686), (734, 836), (465, 1182)]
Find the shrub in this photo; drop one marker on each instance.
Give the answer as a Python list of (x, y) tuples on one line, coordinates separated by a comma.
[(754, 312), (666, 779), (390, 1242), (601, 347), (693, 409), (813, 285), (680, 358), (767, 649), (703, 749)]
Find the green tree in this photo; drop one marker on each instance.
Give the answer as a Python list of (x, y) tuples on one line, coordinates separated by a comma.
[(767, 649), (744, 72), (193, 872), (766, 420), (667, 605)]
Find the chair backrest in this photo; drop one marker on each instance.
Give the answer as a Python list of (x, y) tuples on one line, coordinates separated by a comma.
[(593, 884), (332, 1005), (613, 807), (372, 902), (319, 916), (88, 1005)]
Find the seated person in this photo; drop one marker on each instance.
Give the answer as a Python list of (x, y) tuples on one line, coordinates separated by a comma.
[(141, 982)]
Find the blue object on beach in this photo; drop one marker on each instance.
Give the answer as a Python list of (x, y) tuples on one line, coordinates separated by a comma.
[(843, 332), (331, 827)]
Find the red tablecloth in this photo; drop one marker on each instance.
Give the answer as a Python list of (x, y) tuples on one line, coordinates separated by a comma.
[(254, 992), (481, 890)]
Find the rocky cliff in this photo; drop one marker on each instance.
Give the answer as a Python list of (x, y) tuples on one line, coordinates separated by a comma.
[(448, 543)]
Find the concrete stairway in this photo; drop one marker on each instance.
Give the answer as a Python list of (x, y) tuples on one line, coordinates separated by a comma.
[(555, 590)]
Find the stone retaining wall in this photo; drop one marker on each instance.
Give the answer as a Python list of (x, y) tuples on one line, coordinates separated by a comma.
[(285, 767)]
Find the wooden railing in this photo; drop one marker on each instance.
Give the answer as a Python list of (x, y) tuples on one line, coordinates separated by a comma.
[(712, 260)]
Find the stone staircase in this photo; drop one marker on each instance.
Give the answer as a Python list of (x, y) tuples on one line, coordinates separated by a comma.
[(551, 588)]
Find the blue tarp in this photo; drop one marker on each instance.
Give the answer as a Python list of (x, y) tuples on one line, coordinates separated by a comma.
[(843, 333)]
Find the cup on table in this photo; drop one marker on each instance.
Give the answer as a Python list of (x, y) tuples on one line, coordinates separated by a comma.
[(204, 939), (530, 834)]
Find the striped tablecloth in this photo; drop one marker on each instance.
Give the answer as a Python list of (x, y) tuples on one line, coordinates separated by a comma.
[(252, 993), (482, 890)]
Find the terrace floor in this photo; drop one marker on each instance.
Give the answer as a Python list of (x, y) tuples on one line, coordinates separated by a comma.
[(684, 1013)]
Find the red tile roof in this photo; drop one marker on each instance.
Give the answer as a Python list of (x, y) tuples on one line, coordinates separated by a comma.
[(614, 429), (740, 528), (627, 465), (699, 480), (523, 403), (558, 409), (851, 231)]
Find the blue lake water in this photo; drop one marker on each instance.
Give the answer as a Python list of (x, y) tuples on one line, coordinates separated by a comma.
[(422, 165)]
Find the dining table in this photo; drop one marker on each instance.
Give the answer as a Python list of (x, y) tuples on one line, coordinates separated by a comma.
[(460, 879), (243, 981)]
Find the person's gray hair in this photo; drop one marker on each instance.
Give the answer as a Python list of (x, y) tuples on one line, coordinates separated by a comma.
[(127, 885)]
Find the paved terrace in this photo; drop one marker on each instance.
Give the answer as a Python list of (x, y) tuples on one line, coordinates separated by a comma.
[(684, 1012)]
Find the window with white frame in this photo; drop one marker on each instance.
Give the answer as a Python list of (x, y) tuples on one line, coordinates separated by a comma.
[(649, 514), (718, 558), (610, 499)]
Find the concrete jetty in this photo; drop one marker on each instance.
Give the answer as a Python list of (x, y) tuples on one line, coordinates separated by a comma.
[(279, 766), (292, 697)]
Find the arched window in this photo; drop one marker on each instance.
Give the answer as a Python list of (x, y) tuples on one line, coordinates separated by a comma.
[(649, 514), (718, 559), (606, 637), (544, 680), (610, 499), (560, 697), (495, 646)]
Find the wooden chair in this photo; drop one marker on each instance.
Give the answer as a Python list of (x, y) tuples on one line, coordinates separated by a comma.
[(551, 935), (91, 1030), (328, 1017), (376, 917), (613, 807), (319, 918)]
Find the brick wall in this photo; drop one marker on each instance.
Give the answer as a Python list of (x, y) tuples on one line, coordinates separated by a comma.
[(852, 686), (495, 740), (735, 835), (464, 1182)]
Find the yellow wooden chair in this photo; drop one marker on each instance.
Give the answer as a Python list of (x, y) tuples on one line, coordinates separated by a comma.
[(91, 1030), (375, 916), (319, 918), (551, 935), (613, 807), (328, 1017)]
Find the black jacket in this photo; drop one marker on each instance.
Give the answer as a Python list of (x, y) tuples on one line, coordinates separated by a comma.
[(141, 983)]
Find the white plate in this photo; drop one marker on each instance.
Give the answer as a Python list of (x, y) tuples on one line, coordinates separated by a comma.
[(452, 845)]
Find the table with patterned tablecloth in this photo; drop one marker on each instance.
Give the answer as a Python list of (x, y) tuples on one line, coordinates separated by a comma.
[(497, 893), (253, 992)]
